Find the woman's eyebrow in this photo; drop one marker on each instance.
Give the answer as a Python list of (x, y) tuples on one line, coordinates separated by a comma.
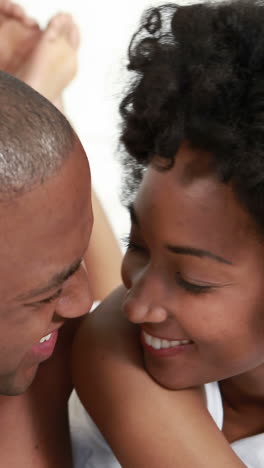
[(186, 250), (182, 249)]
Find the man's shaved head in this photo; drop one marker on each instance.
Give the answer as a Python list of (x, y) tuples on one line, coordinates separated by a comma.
[(35, 138), (46, 221)]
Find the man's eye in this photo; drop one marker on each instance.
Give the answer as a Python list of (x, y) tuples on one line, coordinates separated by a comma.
[(48, 300)]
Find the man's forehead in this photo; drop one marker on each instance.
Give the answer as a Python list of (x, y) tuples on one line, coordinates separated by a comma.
[(73, 170), (45, 232)]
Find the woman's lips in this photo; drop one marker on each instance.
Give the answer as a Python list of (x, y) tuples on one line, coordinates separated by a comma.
[(163, 347)]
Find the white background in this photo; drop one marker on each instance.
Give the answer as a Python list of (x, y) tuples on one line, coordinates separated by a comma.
[(92, 99)]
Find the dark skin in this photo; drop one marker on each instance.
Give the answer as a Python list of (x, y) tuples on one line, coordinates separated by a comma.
[(243, 409), (50, 294), (193, 271), (42, 436), (115, 378), (190, 186), (42, 409)]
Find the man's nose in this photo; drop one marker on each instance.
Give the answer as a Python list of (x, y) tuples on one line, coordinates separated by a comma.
[(145, 300), (77, 299)]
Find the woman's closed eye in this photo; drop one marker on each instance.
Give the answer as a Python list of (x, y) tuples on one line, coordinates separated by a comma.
[(190, 285), (193, 288), (130, 244)]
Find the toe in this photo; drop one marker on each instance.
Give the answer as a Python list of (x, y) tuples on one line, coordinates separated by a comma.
[(58, 21), (5, 6), (17, 11), (62, 25), (74, 36)]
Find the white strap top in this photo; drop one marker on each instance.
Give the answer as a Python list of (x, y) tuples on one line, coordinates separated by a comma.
[(90, 449)]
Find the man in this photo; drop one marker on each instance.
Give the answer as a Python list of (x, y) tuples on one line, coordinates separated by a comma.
[(46, 221)]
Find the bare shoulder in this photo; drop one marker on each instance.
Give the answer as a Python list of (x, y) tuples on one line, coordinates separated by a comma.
[(108, 313), (110, 379), (108, 367), (105, 337)]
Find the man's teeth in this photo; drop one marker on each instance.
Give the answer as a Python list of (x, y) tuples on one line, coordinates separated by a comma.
[(45, 338), (158, 343)]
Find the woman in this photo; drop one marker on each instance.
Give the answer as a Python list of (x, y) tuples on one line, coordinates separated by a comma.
[(191, 335)]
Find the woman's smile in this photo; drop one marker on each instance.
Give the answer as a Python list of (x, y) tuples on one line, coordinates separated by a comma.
[(164, 347), (194, 272)]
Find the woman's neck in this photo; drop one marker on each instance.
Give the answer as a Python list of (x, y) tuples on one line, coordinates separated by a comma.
[(247, 388), (243, 402)]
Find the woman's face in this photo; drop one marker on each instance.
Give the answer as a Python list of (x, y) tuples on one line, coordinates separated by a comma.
[(194, 270)]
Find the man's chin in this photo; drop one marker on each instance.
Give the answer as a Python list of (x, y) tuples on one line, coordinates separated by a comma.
[(19, 382)]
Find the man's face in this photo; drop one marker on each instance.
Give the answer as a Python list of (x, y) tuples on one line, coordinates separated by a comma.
[(43, 237)]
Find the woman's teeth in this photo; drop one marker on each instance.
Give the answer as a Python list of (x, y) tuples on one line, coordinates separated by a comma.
[(45, 338), (158, 343)]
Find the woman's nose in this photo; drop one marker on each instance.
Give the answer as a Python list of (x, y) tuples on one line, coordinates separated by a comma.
[(145, 300)]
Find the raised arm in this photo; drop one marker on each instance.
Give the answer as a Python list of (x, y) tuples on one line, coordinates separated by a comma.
[(144, 423), (103, 257)]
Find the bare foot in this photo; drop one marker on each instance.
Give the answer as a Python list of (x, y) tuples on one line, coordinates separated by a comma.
[(18, 36), (53, 62), (15, 11)]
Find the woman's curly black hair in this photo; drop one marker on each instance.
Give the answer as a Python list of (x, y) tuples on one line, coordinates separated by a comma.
[(199, 76)]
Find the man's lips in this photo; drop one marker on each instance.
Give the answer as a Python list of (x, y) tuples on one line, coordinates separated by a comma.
[(44, 349)]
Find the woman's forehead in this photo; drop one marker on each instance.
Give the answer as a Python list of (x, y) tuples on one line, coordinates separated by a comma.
[(198, 208), (192, 174)]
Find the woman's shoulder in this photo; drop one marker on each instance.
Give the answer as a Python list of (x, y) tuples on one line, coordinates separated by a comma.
[(104, 327), (104, 339)]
